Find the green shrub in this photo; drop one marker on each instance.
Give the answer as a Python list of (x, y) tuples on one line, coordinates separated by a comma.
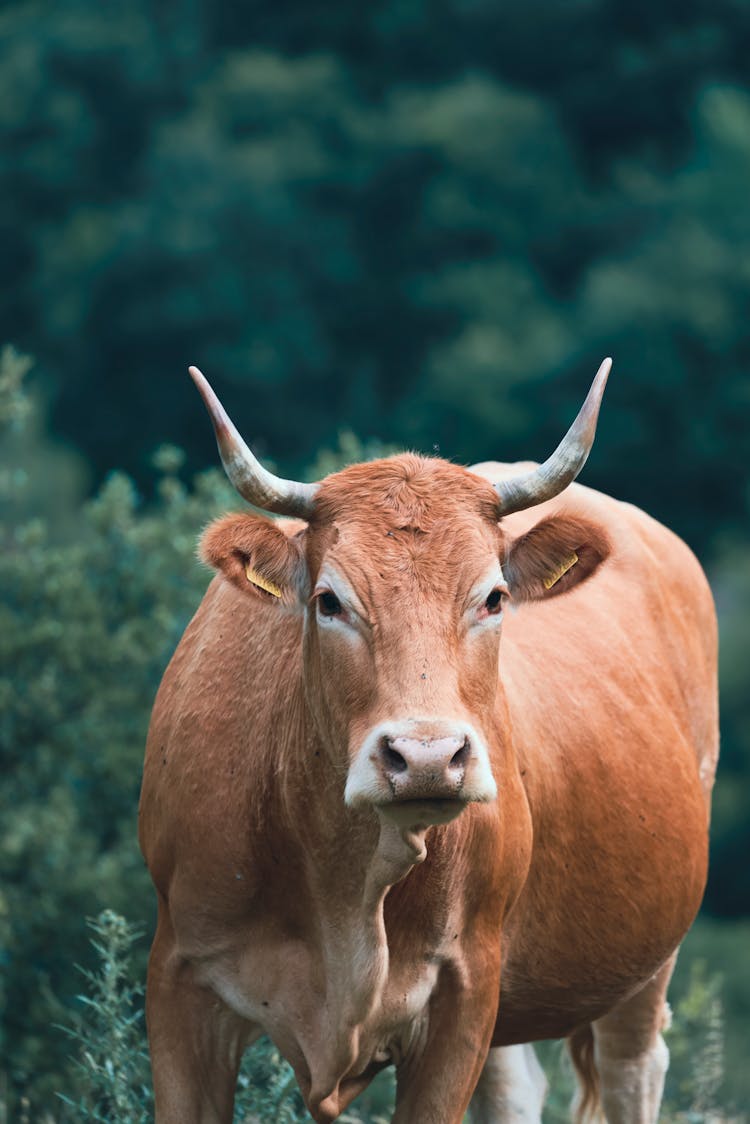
[(111, 1056), (696, 1047)]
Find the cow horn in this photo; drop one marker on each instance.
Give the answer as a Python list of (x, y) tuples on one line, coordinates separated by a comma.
[(254, 483), (559, 470)]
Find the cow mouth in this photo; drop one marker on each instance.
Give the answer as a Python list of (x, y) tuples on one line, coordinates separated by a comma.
[(422, 812)]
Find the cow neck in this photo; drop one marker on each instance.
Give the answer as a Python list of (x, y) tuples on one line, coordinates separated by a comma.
[(349, 881)]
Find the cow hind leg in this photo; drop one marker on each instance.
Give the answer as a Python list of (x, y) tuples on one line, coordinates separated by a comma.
[(621, 1059), (511, 1089)]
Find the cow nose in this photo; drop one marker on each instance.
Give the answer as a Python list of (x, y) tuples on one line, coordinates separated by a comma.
[(429, 765), (432, 760)]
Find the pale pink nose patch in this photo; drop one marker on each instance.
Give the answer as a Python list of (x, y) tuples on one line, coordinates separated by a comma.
[(422, 767)]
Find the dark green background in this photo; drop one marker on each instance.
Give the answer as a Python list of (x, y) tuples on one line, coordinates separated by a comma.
[(421, 223)]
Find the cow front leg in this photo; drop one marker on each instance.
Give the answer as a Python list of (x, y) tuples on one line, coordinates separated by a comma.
[(196, 1042), (511, 1089), (436, 1081)]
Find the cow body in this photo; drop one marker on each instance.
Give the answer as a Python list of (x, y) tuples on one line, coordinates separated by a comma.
[(355, 939)]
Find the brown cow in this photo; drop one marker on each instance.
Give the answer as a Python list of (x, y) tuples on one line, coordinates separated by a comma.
[(380, 839)]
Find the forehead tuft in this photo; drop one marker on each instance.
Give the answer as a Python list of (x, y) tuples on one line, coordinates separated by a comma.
[(405, 492)]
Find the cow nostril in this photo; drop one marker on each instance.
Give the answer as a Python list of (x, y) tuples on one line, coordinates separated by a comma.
[(394, 762), (461, 756)]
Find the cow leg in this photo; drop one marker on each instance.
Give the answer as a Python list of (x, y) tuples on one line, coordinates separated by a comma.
[(196, 1042), (511, 1089), (436, 1080), (631, 1056)]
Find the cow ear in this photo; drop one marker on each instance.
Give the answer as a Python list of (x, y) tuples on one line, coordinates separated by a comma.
[(262, 558), (553, 557)]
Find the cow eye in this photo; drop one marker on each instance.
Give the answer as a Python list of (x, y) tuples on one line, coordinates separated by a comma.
[(494, 602), (329, 604)]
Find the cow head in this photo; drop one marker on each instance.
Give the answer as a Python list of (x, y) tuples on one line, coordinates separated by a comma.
[(402, 570)]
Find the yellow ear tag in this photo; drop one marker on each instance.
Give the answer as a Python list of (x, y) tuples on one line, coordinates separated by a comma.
[(262, 583), (560, 571)]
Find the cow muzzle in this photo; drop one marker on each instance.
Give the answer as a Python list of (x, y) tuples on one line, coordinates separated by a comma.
[(422, 767), (422, 771)]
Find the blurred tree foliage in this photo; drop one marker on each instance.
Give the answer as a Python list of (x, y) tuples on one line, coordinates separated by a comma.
[(425, 221)]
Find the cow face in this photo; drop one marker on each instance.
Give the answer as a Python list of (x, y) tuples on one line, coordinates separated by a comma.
[(403, 574), (405, 615)]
